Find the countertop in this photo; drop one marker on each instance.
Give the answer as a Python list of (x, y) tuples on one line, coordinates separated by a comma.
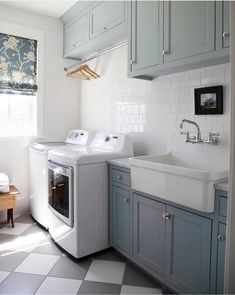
[(123, 162), (223, 185)]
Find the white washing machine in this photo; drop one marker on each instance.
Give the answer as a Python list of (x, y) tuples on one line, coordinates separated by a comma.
[(38, 171), (78, 193)]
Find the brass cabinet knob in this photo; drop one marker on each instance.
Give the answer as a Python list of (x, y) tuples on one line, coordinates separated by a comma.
[(221, 238), (166, 215)]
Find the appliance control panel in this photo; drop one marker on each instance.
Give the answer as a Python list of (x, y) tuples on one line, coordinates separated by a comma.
[(112, 142), (79, 137)]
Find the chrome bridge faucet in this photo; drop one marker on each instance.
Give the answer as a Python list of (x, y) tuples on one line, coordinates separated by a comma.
[(213, 138)]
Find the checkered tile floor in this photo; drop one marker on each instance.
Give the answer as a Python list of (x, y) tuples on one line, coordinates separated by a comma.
[(30, 263)]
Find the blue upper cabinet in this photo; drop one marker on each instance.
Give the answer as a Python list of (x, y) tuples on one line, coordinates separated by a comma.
[(189, 29), (172, 36), (106, 16), (144, 36), (73, 40), (226, 24), (91, 26)]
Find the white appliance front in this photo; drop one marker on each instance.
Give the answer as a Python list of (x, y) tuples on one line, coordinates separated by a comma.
[(38, 171), (60, 191), (89, 233), (38, 180)]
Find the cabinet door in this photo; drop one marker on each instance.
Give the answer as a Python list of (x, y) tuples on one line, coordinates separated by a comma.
[(120, 218), (220, 259), (188, 250), (76, 32), (226, 23), (149, 233), (189, 29), (144, 34), (105, 16)]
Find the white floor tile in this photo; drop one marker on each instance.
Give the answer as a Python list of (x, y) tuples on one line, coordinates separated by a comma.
[(17, 230), (37, 264), (59, 286), (139, 290), (3, 275), (106, 271)]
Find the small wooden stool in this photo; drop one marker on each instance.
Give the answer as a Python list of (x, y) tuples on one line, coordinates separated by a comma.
[(7, 202)]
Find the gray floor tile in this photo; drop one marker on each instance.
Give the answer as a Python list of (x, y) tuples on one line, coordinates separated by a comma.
[(48, 247), (25, 218), (68, 268), (111, 255), (134, 276), (9, 261), (88, 287), (5, 238), (18, 283)]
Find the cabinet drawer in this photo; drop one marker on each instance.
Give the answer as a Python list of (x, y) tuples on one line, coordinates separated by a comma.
[(121, 177), (222, 206)]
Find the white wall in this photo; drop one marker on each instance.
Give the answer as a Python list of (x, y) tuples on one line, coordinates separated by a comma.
[(149, 111), (60, 98)]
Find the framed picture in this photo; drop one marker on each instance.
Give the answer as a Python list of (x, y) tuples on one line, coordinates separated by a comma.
[(208, 100)]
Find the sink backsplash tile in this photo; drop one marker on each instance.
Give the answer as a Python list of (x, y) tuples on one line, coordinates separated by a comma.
[(149, 111)]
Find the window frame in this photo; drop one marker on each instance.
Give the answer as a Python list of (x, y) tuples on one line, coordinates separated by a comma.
[(36, 34)]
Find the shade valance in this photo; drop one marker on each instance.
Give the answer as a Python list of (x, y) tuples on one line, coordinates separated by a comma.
[(18, 65)]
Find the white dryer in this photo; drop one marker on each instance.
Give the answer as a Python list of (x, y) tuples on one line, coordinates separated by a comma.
[(38, 171), (78, 193)]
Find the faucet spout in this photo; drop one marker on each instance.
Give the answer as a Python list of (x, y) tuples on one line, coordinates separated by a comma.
[(198, 137)]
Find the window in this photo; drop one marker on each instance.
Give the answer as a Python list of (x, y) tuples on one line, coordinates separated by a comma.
[(18, 86)]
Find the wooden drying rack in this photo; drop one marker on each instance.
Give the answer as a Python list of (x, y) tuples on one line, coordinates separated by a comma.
[(83, 72)]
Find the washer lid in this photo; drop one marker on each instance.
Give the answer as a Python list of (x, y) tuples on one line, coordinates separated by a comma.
[(104, 147), (82, 157), (44, 146)]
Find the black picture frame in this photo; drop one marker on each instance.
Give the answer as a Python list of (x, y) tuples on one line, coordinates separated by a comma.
[(209, 100)]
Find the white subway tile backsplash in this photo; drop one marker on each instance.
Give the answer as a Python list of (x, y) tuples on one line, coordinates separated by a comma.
[(149, 110)]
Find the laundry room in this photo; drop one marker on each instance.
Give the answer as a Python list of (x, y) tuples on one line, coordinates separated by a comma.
[(117, 147)]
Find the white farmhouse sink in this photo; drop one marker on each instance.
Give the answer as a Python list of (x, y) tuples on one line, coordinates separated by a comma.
[(188, 181)]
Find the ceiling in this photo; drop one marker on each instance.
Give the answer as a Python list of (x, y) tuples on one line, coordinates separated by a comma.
[(54, 8)]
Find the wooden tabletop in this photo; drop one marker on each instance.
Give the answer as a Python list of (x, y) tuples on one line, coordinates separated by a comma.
[(13, 191)]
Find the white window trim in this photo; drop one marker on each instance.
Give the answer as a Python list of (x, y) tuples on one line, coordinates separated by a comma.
[(31, 33)]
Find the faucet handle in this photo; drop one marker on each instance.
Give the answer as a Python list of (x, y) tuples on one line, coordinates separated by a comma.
[(214, 134), (214, 138)]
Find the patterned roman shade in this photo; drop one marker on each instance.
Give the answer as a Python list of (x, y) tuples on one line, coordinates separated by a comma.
[(18, 65)]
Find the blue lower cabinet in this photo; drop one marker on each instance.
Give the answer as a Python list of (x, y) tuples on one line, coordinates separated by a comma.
[(220, 258), (120, 219), (185, 249), (188, 251), (149, 233)]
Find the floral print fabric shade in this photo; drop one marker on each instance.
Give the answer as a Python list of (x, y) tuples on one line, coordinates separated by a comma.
[(18, 65)]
